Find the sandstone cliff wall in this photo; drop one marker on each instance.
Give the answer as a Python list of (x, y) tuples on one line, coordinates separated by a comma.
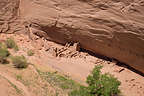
[(114, 28)]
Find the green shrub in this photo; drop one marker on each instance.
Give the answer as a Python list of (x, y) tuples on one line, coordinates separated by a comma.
[(30, 53), (58, 80), (3, 45), (4, 53), (19, 62), (99, 85), (10, 43), (83, 91)]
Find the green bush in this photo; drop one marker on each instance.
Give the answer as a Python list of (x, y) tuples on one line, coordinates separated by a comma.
[(3, 45), (4, 53), (19, 62), (10, 43), (99, 85), (30, 53), (83, 91)]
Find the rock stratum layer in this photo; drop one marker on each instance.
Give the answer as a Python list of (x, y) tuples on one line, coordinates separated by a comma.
[(113, 28)]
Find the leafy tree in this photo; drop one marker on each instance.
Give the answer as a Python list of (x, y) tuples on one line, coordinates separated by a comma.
[(99, 85)]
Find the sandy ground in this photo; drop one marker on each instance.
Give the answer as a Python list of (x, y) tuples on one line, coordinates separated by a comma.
[(15, 82), (79, 66), (6, 88)]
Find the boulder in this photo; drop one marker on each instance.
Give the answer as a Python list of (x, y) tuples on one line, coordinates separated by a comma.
[(113, 28)]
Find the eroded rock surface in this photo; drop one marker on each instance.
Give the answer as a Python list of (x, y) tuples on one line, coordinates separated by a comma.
[(114, 28), (9, 10)]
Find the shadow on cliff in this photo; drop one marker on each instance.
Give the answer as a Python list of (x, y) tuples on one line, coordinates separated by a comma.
[(111, 60)]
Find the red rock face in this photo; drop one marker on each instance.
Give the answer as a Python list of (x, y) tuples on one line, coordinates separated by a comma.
[(8, 9), (114, 28), (8, 12)]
